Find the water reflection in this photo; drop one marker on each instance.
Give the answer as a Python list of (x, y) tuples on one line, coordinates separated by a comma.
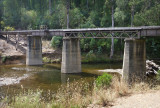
[(71, 77)]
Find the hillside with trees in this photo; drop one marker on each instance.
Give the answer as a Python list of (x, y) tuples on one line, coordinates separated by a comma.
[(62, 14)]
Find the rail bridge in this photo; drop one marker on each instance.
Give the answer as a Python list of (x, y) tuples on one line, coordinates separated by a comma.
[(134, 60)]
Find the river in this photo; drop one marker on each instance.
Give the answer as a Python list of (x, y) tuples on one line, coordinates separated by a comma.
[(14, 78)]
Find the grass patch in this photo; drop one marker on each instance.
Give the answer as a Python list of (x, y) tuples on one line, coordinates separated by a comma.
[(80, 94)]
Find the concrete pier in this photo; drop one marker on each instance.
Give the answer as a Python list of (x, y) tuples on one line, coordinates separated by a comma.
[(134, 61), (71, 56), (34, 50)]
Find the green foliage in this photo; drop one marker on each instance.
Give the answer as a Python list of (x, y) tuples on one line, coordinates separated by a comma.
[(90, 55), (99, 50), (29, 18), (2, 24), (46, 60), (119, 16), (158, 76), (76, 18), (8, 28), (92, 44), (3, 59), (104, 80), (148, 17), (153, 46), (23, 14), (56, 42)]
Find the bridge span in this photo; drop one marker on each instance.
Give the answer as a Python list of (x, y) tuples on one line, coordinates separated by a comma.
[(134, 60), (119, 32)]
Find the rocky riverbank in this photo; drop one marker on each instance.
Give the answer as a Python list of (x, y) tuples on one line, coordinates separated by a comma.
[(151, 69)]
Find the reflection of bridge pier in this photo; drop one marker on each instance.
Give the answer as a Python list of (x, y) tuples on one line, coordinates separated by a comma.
[(134, 61)]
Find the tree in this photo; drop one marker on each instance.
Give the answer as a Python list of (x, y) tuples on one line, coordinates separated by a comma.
[(50, 7), (111, 5), (122, 13), (112, 46), (1, 11), (12, 13), (68, 8), (133, 4)]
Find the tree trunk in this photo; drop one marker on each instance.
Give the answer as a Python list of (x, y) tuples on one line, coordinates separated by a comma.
[(68, 7), (132, 16), (112, 46), (87, 4), (50, 7)]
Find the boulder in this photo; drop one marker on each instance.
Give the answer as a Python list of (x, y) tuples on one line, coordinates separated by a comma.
[(151, 68)]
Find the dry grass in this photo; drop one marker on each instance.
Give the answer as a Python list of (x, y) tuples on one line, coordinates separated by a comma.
[(46, 46), (81, 95), (106, 96), (74, 94)]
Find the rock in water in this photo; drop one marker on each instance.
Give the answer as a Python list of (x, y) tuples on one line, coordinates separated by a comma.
[(151, 68)]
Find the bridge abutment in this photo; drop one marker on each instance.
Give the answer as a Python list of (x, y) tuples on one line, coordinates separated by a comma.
[(134, 61), (34, 50), (71, 56)]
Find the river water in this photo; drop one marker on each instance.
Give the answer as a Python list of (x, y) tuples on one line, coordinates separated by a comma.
[(14, 78)]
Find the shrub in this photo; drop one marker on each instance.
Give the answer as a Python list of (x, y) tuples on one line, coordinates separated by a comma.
[(4, 58), (46, 60), (158, 76), (56, 42), (8, 28), (104, 80)]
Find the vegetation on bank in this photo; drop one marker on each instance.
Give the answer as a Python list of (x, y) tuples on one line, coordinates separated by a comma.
[(4, 58), (158, 76), (80, 94), (87, 58), (98, 50)]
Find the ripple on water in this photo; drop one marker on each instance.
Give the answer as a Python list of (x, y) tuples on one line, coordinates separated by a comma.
[(29, 69), (12, 80)]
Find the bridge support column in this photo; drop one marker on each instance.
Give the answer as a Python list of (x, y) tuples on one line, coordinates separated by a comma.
[(71, 56), (134, 61), (34, 50)]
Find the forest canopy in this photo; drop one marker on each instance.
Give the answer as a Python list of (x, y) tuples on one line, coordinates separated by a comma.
[(31, 14)]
